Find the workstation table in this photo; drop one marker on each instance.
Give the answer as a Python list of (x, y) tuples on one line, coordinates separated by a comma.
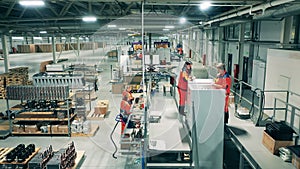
[(248, 140), (167, 136)]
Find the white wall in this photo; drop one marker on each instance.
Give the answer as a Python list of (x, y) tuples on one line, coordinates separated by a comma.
[(282, 73), (270, 30)]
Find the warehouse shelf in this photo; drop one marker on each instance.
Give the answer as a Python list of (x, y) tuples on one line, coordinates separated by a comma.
[(40, 112)]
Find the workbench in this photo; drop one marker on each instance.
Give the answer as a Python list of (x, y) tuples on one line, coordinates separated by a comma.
[(248, 140), (167, 137)]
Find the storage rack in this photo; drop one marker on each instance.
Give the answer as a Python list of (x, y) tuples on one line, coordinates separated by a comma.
[(39, 93), (73, 81)]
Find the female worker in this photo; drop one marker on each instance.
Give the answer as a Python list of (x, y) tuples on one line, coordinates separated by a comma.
[(223, 81), (184, 77)]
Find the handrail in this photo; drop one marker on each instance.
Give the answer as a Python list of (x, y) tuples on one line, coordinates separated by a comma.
[(293, 113)]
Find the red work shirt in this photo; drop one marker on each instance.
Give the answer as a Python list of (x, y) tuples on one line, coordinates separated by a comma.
[(224, 81)]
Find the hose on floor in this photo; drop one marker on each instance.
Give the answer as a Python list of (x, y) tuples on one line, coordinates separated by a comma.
[(118, 119)]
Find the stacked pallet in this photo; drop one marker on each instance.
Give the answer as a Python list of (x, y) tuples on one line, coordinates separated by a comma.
[(88, 46), (101, 44), (2, 87), (62, 47), (26, 48), (112, 53), (15, 76), (43, 48), (20, 71), (44, 64)]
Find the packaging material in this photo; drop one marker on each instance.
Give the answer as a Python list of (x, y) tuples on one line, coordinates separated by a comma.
[(280, 131), (101, 107), (63, 129), (31, 128), (273, 145), (296, 155), (117, 88), (86, 127), (18, 128)]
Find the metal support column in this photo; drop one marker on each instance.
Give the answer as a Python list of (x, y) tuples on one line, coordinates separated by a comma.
[(213, 59), (241, 49), (297, 29), (5, 53), (206, 48), (78, 47), (32, 40), (26, 40), (221, 48), (286, 31), (53, 49), (150, 39), (10, 43), (93, 44)]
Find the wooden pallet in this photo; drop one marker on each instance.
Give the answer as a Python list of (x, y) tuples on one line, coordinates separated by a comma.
[(94, 129), (79, 159), (3, 162), (93, 116)]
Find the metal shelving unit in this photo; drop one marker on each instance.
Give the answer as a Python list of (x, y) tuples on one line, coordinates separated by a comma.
[(39, 93)]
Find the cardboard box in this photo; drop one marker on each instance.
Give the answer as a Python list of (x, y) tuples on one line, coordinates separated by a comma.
[(273, 145), (63, 129), (54, 128), (296, 161), (117, 88), (101, 107), (18, 128), (31, 128)]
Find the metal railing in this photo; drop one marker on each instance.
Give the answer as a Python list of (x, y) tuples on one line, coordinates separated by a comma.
[(257, 108), (289, 109)]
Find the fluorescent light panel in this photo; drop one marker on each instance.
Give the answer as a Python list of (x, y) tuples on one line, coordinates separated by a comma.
[(89, 19), (182, 20), (17, 38), (43, 32), (122, 29), (169, 27), (32, 3), (111, 26), (166, 29), (205, 5)]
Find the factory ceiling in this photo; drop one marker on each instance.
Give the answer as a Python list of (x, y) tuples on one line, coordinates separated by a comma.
[(64, 17)]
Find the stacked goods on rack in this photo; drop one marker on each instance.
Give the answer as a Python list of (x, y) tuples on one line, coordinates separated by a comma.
[(41, 159), (15, 76), (43, 48), (62, 47), (63, 158), (101, 44), (17, 157), (26, 48), (88, 46)]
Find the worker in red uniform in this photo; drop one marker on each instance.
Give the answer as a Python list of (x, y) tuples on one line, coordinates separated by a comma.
[(184, 77), (125, 111), (127, 92), (223, 81)]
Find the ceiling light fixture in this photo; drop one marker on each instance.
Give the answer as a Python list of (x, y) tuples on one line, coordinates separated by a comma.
[(205, 5), (43, 32), (111, 26), (166, 29), (32, 3), (89, 19), (182, 20), (122, 29), (169, 27)]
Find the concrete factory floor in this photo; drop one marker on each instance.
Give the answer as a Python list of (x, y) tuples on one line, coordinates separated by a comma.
[(98, 148)]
